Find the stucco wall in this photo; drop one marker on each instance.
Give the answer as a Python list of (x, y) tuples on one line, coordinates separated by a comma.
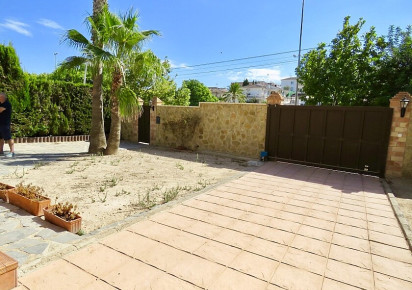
[(237, 129)]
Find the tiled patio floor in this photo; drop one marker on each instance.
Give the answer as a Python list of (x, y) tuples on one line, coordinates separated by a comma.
[(283, 226)]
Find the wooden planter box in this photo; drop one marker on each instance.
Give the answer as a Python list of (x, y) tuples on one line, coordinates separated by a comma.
[(8, 272), (31, 206), (72, 226), (4, 192)]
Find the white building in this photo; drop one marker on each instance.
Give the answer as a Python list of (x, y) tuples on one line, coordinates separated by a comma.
[(259, 90), (288, 86), (218, 92)]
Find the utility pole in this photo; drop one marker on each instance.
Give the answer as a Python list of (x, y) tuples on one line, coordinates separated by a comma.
[(300, 46)]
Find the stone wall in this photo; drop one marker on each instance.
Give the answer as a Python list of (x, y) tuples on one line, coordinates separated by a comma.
[(237, 129), (130, 129), (399, 160)]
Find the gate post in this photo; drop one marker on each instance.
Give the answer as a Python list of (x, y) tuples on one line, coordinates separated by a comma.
[(399, 160)]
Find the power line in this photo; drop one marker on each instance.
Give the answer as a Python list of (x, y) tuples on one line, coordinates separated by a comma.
[(237, 59), (263, 65)]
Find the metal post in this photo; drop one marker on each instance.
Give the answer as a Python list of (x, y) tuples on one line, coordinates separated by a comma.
[(300, 46)]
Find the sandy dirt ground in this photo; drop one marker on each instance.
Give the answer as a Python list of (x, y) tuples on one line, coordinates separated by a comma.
[(106, 189)]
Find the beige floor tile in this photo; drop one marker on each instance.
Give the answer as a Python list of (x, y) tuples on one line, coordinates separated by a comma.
[(305, 260), (218, 220), (352, 214), (285, 225), (254, 265), (302, 211), (379, 207), (289, 277), (390, 240), (133, 274), (382, 213), (291, 217), (234, 280), (311, 245), (100, 260), (349, 274), (217, 252), (271, 210), (278, 236), (325, 208), (383, 282), (256, 218), (130, 243), (382, 220), (173, 220), (189, 212), (247, 227), (233, 238), (319, 223), (170, 236), (61, 273), (273, 287), (392, 268), (393, 253), (168, 282), (349, 256), (198, 271), (390, 230), (98, 284), (357, 208), (351, 242), (204, 229), (329, 284), (353, 222), (351, 231), (315, 233), (267, 249)]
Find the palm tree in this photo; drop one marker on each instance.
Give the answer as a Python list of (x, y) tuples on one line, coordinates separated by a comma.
[(234, 94), (122, 44), (97, 134)]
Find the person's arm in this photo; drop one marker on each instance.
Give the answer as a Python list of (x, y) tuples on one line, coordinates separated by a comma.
[(2, 109)]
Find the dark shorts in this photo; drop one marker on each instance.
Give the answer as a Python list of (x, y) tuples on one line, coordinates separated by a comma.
[(5, 132)]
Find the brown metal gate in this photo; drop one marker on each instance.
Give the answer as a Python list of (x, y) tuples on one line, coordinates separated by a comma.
[(144, 125), (345, 138)]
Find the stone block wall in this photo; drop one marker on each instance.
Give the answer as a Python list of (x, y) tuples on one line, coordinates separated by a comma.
[(237, 129), (130, 129), (399, 160)]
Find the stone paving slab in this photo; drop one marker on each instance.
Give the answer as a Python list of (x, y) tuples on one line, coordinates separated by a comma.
[(283, 226)]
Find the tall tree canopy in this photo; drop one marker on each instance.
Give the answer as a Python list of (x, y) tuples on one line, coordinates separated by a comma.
[(199, 92), (358, 70), (235, 94)]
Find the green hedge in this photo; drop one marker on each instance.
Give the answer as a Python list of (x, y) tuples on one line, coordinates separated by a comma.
[(43, 106)]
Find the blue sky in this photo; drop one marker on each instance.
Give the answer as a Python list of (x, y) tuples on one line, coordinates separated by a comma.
[(200, 31)]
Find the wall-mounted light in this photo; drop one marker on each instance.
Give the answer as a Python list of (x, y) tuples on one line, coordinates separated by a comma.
[(404, 104), (151, 105)]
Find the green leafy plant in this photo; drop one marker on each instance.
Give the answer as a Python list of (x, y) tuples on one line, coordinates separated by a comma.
[(30, 191), (66, 211)]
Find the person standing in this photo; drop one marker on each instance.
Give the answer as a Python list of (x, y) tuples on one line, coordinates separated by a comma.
[(5, 121)]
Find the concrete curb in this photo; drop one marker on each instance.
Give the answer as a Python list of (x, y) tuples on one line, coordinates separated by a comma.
[(398, 213)]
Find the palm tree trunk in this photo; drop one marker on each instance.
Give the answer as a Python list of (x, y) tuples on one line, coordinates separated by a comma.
[(97, 135), (113, 142)]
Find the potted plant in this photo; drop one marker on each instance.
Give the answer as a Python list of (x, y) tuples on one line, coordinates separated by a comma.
[(65, 216), (29, 197), (4, 189)]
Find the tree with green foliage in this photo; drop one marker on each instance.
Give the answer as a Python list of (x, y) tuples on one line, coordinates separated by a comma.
[(199, 92), (344, 72), (148, 77), (245, 83), (235, 94), (181, 97), (395, 68)]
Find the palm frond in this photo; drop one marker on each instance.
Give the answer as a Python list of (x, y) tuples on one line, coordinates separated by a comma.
[(128, 102), (75, 39), (73, 62)]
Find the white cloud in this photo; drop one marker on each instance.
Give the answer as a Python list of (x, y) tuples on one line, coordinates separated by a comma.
[(50, 23), (176, 65), (258, 74), (17, 26)]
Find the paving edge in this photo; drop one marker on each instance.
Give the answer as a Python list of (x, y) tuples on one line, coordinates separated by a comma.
[(98, 234), (398, 213)]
